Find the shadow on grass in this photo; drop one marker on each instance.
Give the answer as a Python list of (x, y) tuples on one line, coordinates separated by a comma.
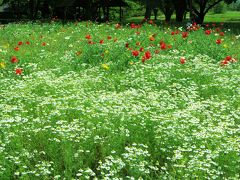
[(233, 24)]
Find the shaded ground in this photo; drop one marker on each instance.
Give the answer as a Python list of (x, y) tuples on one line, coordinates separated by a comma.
[(231, 20)]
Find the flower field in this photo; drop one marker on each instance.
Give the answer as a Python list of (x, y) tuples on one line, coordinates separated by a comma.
[(89, 101)]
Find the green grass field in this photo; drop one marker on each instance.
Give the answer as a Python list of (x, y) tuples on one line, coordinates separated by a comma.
[(88, 101), (228, 16), (231, 19)]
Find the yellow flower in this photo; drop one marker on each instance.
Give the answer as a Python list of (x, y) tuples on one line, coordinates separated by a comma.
[(105, 66), (106, 52), (225, 46), (131, 63), (6, 46), (2, 65)]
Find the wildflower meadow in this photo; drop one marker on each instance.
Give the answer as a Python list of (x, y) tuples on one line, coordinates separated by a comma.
[(105, 101)]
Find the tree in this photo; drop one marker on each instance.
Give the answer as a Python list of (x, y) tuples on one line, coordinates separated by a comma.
[(202, 7), (220, 8), (235, 6), (167, 7), (180, 8), (33, 8)]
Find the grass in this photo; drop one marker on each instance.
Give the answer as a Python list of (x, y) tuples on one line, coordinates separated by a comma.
[(82, 101), (228, 16), (230, 19)]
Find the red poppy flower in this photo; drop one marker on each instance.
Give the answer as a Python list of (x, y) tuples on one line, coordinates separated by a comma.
[(88, 37), (28, 43), (221, 34), (17, 48), (135, 53), (126, 45), (147, 55), (184, 34), (20, 43), (218, 29), (91, 42), (101, 41), (207, 25), (44, 44), (143, 59), (133, 25), (141, 49), (163, 46), (169, 46), (172, 33), (228, 58), (150, 22), (224, 62), (182, 60), (109, 37), (208, 32), (218, 41), (151, 38), (18, 71), (14, 59)]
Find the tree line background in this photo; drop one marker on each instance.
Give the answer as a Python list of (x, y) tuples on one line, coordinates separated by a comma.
[(99, 9)]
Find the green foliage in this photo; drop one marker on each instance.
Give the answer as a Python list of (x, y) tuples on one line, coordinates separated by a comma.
[(235, 6), (135, 9), (220, 8)]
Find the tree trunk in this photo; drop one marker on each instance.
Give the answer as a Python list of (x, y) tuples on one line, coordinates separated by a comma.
[(180, 7), (88, 11), (33, 8), (200, 18), (148, 10), (179, 14), (168, 15)]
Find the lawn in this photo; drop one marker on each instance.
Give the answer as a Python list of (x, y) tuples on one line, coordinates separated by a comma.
[(231, 19), (89, 101), (210, 17), (229, 16)]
